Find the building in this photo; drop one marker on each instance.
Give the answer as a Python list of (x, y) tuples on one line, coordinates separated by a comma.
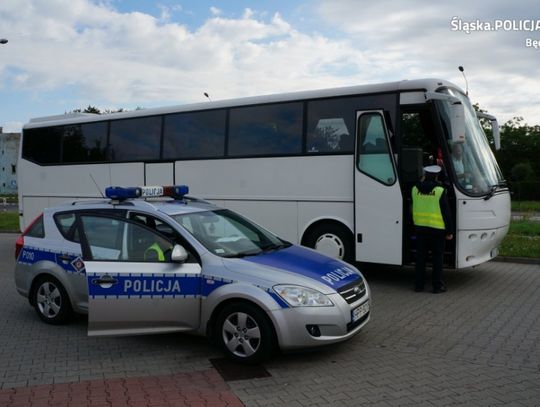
[(9, 153)]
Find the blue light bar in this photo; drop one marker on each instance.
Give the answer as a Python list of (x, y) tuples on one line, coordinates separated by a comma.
[(121, 193), (180, 190)]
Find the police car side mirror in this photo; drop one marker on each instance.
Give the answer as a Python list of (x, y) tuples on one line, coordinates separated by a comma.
[(179, 254)]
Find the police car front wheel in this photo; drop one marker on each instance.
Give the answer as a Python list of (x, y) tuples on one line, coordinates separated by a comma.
[(245, 333), (51, 301)]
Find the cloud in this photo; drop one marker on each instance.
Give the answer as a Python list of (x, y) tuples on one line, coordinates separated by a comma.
[(215, 11), (125, 59), (415, 39)]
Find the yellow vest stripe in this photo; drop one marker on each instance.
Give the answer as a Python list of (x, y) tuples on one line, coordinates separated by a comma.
[(157, 249)]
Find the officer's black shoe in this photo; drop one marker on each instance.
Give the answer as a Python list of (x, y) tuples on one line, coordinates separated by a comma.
[(418, 289), (441, 289)]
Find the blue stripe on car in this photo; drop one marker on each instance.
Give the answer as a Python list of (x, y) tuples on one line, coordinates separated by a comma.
[(70, 262), (308, 263)]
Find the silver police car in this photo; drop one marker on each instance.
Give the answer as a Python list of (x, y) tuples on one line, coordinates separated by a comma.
[(137, 264)]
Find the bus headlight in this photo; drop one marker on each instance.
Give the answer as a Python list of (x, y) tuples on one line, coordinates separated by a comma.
[(298, 296)]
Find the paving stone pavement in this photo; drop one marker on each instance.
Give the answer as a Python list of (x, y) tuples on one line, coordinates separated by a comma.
[(203, 388), (477, 344)]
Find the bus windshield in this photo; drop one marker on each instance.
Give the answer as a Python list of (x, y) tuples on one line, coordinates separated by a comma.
[(474, 165)]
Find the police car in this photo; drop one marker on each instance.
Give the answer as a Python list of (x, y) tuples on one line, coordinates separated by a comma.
[(152, 260)]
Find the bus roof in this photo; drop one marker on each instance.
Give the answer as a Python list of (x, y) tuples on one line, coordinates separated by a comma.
[(430, 84)]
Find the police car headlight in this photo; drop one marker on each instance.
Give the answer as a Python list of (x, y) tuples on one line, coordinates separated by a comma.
[(297, 296)]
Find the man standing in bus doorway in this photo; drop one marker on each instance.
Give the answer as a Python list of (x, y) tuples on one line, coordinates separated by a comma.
[(433, 221)]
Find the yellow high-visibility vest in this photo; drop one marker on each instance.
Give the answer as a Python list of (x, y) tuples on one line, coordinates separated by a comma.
[(157, 249), (426, 208)]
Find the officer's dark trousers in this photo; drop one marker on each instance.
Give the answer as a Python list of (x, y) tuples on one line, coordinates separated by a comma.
[(428, 239)]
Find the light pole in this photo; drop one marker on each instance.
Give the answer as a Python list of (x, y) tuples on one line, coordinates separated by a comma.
[(3, 41)]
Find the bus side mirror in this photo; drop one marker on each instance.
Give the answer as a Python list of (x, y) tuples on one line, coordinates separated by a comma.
[(179, 254), (496, 134), (494, 128), (457, 122)]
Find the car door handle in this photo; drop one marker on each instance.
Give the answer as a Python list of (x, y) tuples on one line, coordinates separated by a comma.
[(104, 280)]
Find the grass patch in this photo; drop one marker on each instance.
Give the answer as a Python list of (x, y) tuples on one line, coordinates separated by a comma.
[(9, 221), (526, 206), (523, 240)]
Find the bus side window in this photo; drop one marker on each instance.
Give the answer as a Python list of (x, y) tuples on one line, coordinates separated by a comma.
[(330, 125)]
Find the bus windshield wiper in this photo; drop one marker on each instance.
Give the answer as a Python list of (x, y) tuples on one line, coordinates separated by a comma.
[(491, 192)]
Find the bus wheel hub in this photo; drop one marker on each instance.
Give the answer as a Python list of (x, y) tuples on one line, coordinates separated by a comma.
[(331, 245)]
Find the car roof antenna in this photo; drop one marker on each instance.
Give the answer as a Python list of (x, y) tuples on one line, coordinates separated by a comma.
[(95, 183)]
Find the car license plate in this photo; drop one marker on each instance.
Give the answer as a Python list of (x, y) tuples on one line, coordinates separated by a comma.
[(360, 311)]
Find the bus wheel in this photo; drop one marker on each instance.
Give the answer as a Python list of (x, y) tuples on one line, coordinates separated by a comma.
[(51, 301), (333, 240), (245, 333)]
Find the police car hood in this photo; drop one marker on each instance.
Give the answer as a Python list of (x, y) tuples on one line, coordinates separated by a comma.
[(294, 264)]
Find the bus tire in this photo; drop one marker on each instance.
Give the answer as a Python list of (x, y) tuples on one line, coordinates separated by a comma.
[(245, 333), (333, 239)]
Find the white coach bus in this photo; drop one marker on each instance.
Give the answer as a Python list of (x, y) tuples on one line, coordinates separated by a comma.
[(331, 169)]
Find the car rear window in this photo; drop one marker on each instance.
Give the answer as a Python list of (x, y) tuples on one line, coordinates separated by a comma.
[(37, 229)]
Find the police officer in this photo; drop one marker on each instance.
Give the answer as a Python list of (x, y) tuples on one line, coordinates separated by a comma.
[(154, 253), (433, 221)]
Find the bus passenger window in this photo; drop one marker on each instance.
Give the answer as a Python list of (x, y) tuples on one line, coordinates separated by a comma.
[(135, 139), (194, 135), (330, 125), (266, 130)]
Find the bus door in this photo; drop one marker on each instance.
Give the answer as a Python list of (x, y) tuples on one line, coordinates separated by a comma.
[(378, 215), (420, 145)]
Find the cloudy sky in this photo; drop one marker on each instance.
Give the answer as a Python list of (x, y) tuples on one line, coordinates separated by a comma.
[(68, 54)]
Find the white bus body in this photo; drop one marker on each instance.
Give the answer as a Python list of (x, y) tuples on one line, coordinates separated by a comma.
[(339, 182)]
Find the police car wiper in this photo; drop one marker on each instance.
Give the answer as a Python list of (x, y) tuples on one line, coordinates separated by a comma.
[(274, 246), (242, 254)]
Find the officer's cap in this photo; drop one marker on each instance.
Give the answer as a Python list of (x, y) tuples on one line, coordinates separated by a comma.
[(432, 169)]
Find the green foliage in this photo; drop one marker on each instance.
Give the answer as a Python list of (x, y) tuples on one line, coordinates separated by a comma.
[(525, 228), (523, 240), (520, 246), (9, 222), (520, 144), (89, 109), (518, 156), (525, 206), (523, 171), (96, 110)]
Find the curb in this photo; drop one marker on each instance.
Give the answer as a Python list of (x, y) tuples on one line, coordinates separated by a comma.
[(520, 260)]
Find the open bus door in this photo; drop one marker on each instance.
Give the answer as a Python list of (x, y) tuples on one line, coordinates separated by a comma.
[(378, 215), (420, 145)]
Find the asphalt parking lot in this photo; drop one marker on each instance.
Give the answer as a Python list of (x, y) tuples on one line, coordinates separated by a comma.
[(477, 344)]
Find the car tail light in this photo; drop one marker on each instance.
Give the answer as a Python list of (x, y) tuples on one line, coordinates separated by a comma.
[(18, 246), (19, 243)]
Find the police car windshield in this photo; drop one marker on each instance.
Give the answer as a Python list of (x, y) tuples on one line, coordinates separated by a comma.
[(227, 234)]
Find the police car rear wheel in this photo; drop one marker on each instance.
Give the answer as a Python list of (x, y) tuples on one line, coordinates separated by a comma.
[(245, 333), (51, 301)]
